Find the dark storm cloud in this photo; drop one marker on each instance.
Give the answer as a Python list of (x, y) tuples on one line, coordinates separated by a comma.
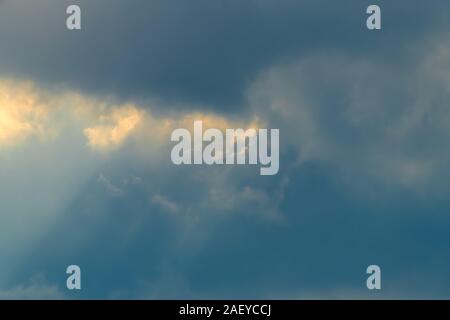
[(190, 52)]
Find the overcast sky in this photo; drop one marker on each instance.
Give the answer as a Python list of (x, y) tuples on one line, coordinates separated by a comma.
[(85, 170)]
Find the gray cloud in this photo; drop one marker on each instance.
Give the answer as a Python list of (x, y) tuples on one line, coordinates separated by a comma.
[(372, 120), (201, 53)]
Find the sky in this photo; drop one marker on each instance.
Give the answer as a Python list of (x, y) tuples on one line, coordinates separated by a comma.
[(86, 177)]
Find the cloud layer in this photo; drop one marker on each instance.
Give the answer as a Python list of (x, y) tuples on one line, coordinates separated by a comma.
[(85, 170)]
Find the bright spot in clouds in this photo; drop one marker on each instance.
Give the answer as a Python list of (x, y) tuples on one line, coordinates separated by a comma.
[(113, 128)]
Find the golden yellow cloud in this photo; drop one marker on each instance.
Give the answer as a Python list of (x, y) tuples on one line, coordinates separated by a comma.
[(114, 128), (27, 110), (21, 112)]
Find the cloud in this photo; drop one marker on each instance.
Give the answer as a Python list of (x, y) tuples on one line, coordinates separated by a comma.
[(112, 189), (37, 288), (114, 128), (27, 110), (56, 164), (190, 54), (95, 113), (165, 203), (371, 120), (21, 113)]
